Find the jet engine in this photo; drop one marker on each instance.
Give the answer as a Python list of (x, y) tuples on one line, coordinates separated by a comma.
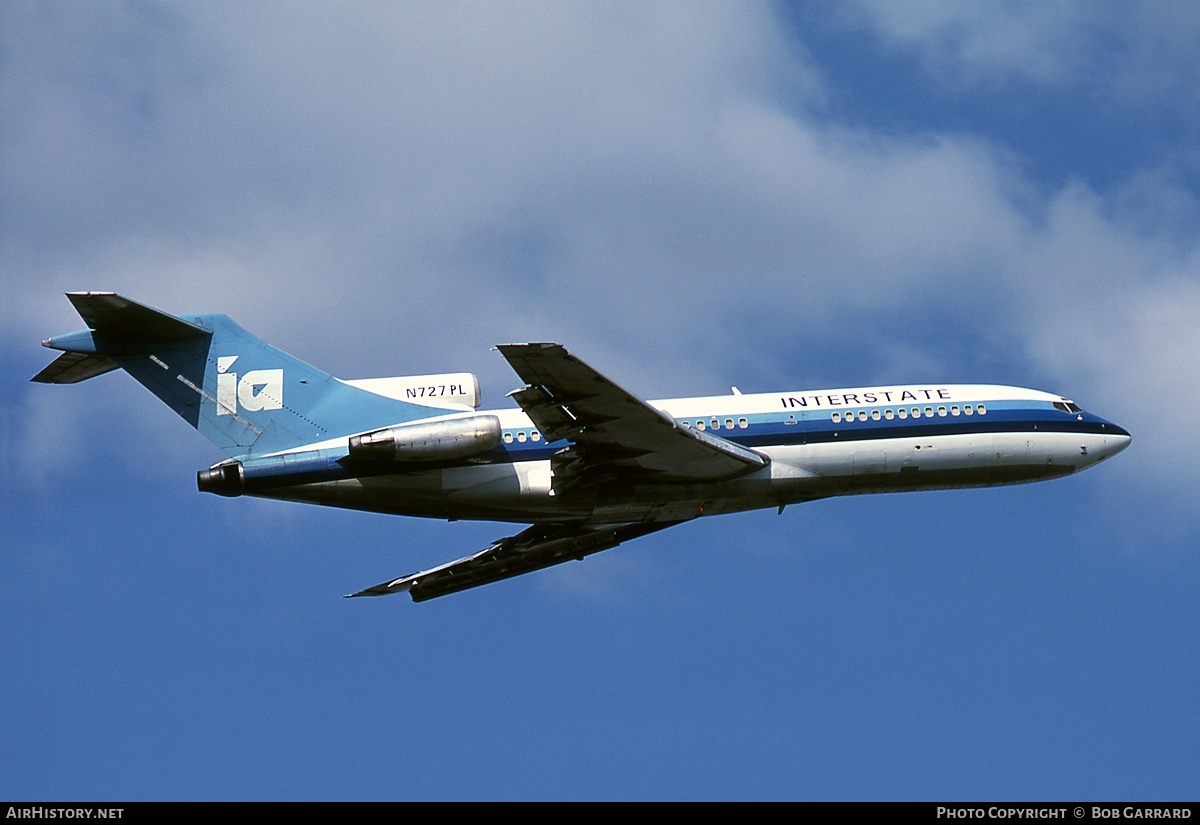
[(233, 478), (429, 440)]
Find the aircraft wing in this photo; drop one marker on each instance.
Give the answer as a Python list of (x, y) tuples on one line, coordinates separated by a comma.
[(614, 436), (534, 548)]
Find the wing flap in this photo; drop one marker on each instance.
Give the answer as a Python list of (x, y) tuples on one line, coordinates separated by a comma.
[(550, 418), (534, 548)]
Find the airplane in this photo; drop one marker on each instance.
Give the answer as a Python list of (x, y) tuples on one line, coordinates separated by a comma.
[(584, 463)]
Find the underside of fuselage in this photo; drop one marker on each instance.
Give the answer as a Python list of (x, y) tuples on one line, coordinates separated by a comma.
[(523, 491)]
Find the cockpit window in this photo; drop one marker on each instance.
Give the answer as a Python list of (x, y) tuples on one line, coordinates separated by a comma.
[(1067, 406)]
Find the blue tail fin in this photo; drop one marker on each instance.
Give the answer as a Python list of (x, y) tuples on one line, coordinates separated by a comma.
[(244, 395)]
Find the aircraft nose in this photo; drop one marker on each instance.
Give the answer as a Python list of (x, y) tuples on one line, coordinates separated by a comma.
[(1116, 438)]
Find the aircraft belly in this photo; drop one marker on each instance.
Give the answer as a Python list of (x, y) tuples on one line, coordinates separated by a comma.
[(941, 462), (409, 494), (781, 482), (520, 491), (523, 491)]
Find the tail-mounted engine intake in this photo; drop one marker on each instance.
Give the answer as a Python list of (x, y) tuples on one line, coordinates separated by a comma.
[(234, 478), (449, 440), (429, 441)]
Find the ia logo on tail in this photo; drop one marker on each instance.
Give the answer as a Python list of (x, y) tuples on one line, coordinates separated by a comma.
[(257, 389)]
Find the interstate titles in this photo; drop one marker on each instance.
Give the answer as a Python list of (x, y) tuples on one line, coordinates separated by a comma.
[(848, 399)]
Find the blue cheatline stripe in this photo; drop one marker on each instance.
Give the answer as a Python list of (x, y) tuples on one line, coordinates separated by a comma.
[(769, 430), (332, 464), (887, 430)]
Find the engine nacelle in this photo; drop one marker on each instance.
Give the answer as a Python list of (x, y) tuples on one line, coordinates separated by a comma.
[(429, 440), (234, 478)]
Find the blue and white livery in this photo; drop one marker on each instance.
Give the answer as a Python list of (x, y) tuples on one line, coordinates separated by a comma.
[(584, 463)]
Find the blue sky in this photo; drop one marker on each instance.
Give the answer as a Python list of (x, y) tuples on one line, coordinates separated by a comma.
[(689, 196)]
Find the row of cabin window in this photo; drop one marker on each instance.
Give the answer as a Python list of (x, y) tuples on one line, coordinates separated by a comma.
[(915, 413), (533, 435), (715, 424)]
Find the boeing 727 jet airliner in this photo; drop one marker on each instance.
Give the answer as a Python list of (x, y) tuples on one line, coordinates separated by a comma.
[(585, 464)]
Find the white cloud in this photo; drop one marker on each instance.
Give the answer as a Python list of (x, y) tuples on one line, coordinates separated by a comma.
[(1044, 43), (395, 188), (1116, 314), (1133, 54)]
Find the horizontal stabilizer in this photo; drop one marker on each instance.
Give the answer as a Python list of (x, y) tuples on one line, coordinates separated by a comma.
[(118, 317), (73, 367), (246, 396)]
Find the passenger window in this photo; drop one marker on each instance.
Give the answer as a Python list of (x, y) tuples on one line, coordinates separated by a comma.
[(982, 409), (521, 437), (535, 436), (902, 413), (743, 423), (508, 438), (916, 412), (862, 415), (968, 409), (888, 414), (716, 425), (729, 423), (929, 412), (942, 412), (954, 410), (837, 417), (875, 415), (699, 425)]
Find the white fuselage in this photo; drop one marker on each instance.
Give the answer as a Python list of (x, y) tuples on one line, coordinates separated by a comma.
[(820, 444)]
